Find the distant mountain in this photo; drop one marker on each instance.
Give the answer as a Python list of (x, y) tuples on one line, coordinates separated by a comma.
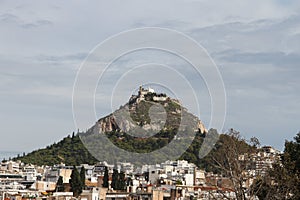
[(151, 124), (149, 121)]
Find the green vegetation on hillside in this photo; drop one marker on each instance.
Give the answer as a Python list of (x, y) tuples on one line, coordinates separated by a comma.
[(72, 151), (141, 145), (139, 112), (69, 150)]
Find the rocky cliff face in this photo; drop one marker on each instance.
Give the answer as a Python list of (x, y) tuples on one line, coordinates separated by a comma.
[(148, 114), (112, 123), (109, 124)]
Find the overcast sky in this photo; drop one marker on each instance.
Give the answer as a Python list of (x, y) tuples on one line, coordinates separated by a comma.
[(254, 43)]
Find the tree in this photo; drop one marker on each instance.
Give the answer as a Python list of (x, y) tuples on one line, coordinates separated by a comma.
[(255, 142), (114, 181), (227, 159), (105, 178), (291, 156), (118, 180), (60, 185), (283, 180), (178, 182), (121, 181), (82, 176), (75, 182)]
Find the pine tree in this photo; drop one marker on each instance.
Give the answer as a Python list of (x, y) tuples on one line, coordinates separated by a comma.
[(105, 178), (60, 185), (75, 183), (82, 176)]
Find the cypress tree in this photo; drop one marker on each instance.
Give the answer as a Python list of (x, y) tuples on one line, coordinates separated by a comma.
[(105, 178), (82, 176), (75, 183), (115, 177), (121, 181), (60, 185)]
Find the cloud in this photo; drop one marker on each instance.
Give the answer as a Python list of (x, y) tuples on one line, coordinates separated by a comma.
[(9, 18), (23, 78), (61, 58), (37, 23), (276, 58), (254, 36)]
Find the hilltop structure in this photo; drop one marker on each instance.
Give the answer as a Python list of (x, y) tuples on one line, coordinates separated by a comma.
[(148, 95)]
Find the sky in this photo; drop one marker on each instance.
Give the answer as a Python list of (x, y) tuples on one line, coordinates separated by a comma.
[(255, 45)]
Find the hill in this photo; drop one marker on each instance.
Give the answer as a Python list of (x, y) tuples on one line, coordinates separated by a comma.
[(148, 122), (71, 151), (149, 129)]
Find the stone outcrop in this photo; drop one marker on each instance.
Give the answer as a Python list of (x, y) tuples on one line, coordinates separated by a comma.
[(201, 127), (107, 124), (121, 120)]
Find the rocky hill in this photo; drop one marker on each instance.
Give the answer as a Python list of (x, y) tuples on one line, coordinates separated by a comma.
[(151, 124), (151, 112), (149, 121)]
